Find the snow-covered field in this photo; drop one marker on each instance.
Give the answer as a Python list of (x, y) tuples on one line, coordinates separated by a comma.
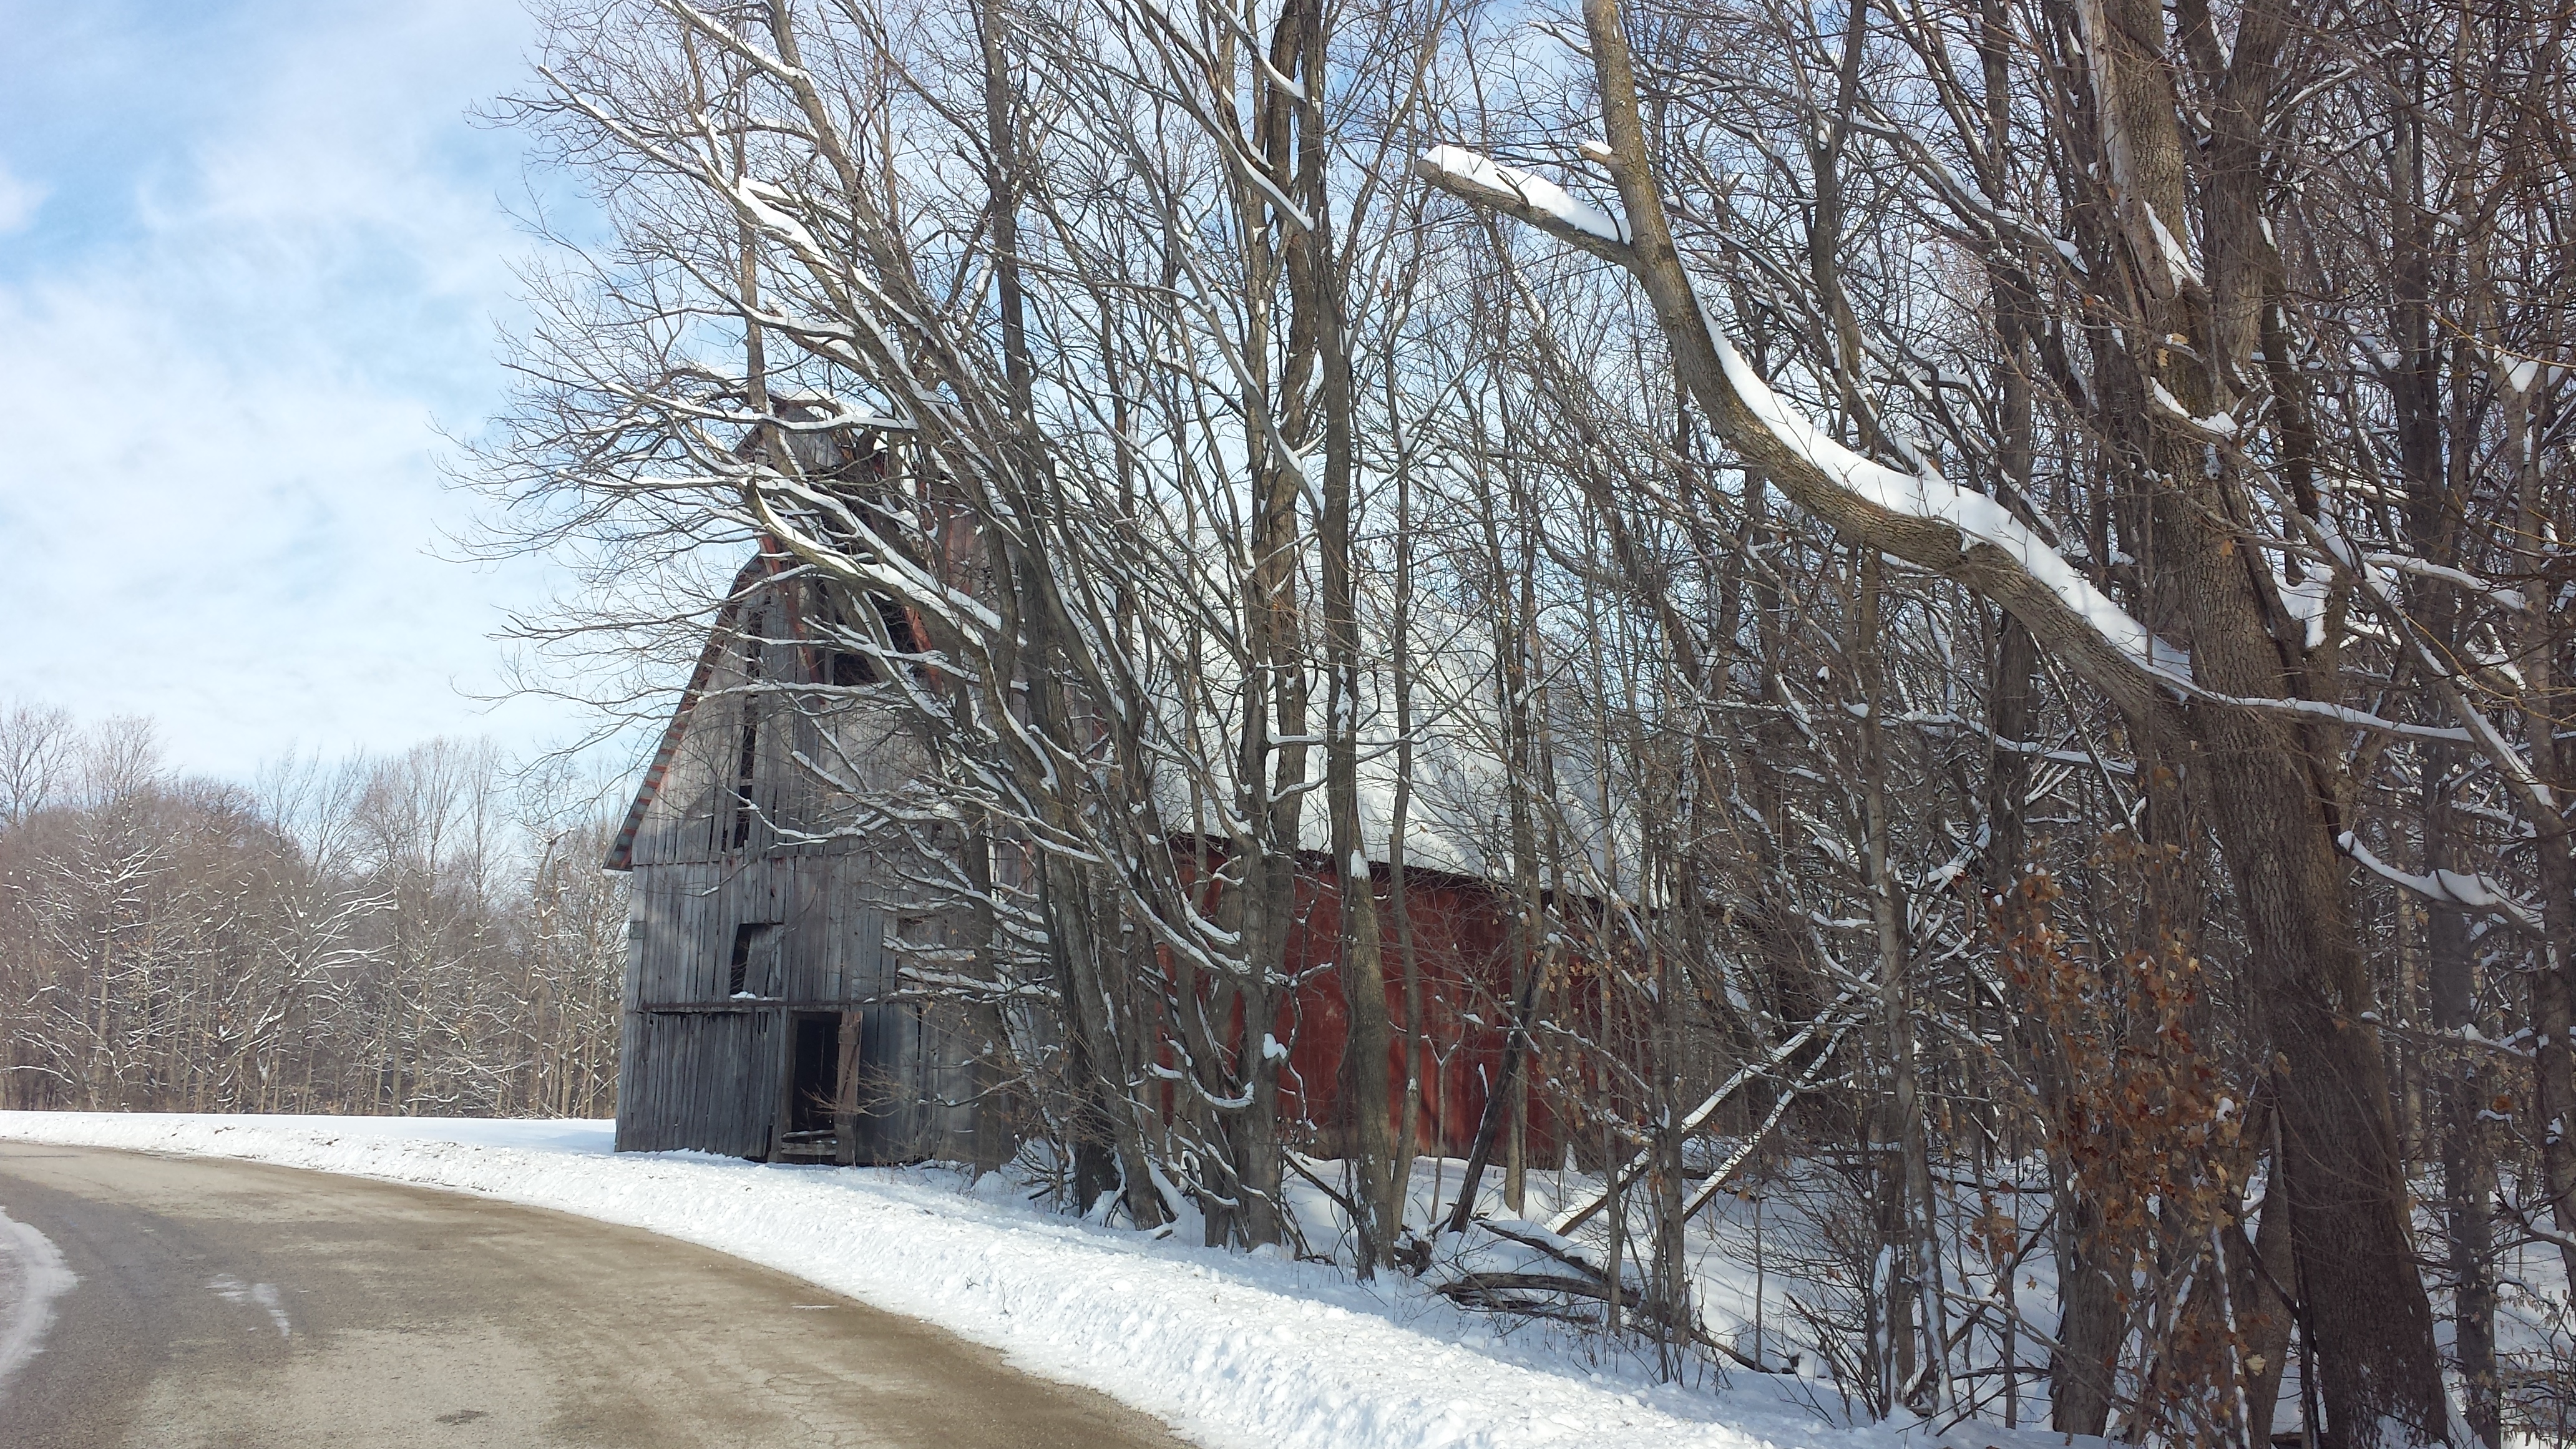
[(1228, 1349)]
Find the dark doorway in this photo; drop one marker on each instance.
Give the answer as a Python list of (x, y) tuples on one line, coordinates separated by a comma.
[(816, 1084)]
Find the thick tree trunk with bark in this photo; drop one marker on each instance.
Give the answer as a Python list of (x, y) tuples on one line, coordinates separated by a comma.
[(2270, 796)]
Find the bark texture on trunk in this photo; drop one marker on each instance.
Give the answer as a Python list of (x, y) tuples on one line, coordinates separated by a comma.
[(2270, 791)]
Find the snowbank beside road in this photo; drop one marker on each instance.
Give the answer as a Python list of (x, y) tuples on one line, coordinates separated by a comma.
[(1230, 1350)]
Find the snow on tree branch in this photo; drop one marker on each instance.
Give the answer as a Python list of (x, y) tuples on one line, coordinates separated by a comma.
[(1925, 520), (1529, 197)]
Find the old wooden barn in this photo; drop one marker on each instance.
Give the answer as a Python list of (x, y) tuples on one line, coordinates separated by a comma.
[(766, 1012)]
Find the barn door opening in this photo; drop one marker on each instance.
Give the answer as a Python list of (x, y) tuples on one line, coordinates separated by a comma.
[(814, 1083)]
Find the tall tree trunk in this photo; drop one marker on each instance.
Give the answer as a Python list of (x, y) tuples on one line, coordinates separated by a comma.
[(1315, 287), (2546, 706), (1913, 1304), (2270, 797)]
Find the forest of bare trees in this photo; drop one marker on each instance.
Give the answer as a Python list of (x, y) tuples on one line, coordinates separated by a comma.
[(425, 933), (1984, 578)]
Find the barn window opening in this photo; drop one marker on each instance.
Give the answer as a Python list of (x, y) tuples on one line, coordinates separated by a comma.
[(851, 667), (745, 766), (747, 938), (842, 668), (911, 933), (748, 760), (898, 624)]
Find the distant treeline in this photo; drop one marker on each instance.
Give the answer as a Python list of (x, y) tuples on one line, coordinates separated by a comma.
[(427, 932)]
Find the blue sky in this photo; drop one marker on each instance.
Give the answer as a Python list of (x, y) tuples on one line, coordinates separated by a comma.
[(252, 261)]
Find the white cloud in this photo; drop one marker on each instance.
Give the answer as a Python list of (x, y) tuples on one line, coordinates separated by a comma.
[(19, 199), (221, 496)]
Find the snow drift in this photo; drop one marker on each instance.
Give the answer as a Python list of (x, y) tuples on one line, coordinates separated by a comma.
[(1228, 1349)]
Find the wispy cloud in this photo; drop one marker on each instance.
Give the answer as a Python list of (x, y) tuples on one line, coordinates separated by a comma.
[(226, 343), (19, 199)]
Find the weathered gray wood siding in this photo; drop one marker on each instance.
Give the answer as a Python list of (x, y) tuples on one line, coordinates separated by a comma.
[(719, 851), (816, 941), (698, 1080)]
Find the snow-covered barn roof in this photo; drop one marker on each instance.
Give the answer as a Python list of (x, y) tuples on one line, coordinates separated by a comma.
[(1457, 816)]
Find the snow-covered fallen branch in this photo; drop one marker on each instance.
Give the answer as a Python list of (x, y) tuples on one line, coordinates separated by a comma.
[(1832, 1019)]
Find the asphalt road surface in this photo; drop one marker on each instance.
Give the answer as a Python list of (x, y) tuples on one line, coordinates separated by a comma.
[(223, 1303)]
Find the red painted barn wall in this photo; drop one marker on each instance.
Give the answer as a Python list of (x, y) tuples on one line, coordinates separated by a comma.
[(1460, 936)]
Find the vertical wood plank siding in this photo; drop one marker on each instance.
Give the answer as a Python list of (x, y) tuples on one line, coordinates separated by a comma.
[(702, 1068), (709, 1070)]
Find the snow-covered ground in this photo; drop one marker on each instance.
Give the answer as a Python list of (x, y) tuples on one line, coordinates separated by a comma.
[(1228, 1349)]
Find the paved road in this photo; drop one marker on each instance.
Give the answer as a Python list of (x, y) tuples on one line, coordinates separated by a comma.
[(231, 1304)]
